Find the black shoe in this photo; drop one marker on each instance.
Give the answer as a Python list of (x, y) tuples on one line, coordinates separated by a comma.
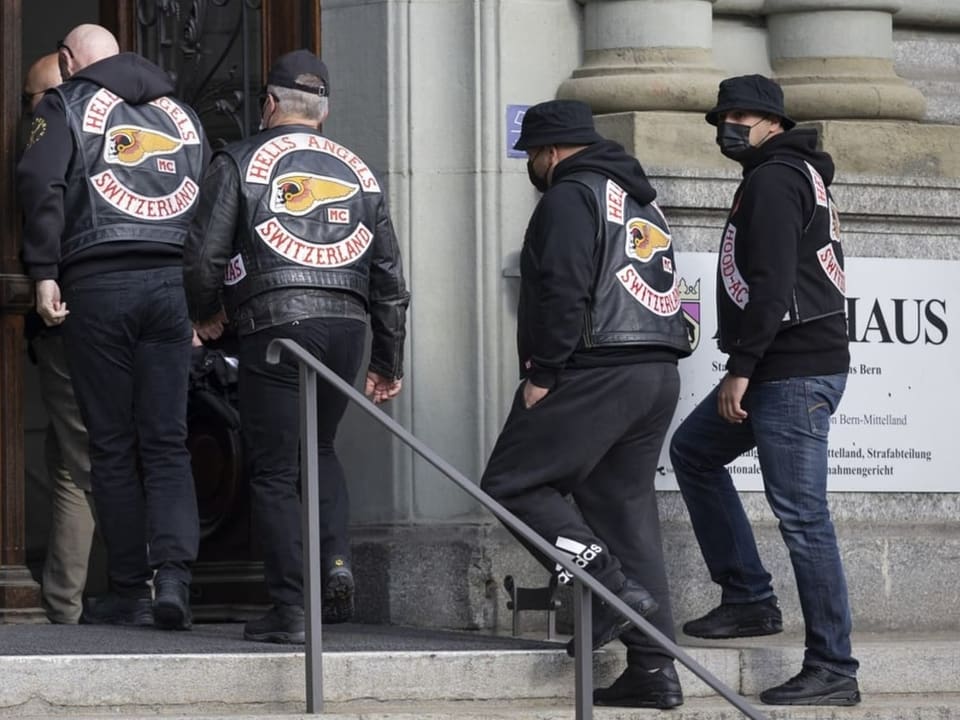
[(338, 593), (113, 609), (733, 620), (609, 624), (639, 687), (282, 624), (814, 686), (171, 607)]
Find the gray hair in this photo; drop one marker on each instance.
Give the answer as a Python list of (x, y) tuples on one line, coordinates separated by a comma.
[(312, 106)]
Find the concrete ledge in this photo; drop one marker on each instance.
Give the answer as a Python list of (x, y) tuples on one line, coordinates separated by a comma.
[(54, 685)]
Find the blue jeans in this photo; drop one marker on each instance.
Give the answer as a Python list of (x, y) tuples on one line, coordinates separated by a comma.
[(128, 344), (788, 423)]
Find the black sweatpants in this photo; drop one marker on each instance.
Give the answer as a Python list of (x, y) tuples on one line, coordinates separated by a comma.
[(596, 437)]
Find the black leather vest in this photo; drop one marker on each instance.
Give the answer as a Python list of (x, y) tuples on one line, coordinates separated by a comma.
[(308, 215), (820, 287), (135, 172), (636, 294)]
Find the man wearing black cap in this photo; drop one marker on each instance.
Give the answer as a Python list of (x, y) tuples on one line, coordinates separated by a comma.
[(599, 332), (293, 240), (108, 183), (780, 307)]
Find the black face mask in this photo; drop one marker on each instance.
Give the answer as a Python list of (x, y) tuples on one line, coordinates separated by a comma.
[(734, 142), (540, 183)]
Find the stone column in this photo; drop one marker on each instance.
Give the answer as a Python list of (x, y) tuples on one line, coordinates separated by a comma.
[(646, 55), (649, 75), (835, 60)]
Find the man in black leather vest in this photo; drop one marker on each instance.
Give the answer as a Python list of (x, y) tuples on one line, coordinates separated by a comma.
[(293, 240), (599, 333), (108, 183), (780, 305)]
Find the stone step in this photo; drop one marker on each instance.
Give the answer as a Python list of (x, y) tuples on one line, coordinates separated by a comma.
[(878, 707), (249, 682)]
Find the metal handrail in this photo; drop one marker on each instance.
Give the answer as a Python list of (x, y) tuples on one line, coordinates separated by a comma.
[(584, 583)]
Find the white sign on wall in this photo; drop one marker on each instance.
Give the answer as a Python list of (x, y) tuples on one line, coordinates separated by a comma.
[(891, 432)]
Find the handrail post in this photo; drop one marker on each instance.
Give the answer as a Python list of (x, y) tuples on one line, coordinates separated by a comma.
[(583, 648), (310, 511)]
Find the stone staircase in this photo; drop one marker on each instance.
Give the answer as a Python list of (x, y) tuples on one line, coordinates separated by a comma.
[(915, 677)]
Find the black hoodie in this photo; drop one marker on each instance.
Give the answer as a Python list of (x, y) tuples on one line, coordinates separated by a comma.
[(558, 268), (771, 209), (43, 169)]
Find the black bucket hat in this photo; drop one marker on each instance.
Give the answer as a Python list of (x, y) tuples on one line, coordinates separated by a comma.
[(557, 122), (750, 92)]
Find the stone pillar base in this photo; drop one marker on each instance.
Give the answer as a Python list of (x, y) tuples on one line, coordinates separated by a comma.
[(665, 139), (891, 148), (846, 88)]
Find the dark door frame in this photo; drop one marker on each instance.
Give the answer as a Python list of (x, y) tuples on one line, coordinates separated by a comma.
[(286, 26)]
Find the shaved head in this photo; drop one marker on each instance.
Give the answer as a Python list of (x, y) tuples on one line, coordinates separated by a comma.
[(85, 45), (42, 75)]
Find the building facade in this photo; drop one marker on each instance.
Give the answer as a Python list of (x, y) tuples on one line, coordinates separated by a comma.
[(424, 90)]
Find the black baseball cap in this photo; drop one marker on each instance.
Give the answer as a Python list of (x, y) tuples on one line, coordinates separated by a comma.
[(750, 92), (557, 122), (287, 68)]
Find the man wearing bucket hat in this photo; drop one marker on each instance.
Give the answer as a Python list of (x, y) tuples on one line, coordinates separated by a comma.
[(599, 335), (780, 307)]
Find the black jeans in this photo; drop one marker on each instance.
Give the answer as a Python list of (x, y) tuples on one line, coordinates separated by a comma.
[(270, 422), (596, 437), (128, 344)]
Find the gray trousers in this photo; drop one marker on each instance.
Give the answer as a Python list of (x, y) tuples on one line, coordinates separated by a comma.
[(72, 522)]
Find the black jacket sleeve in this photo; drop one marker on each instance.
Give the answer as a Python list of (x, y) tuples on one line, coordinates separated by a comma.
[(211, 240), (564, 241), (388, 299), (774, 210), (41, 184)]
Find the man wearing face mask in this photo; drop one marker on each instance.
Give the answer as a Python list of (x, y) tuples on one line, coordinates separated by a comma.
[(780, 307), (599, 333), (294, 238)]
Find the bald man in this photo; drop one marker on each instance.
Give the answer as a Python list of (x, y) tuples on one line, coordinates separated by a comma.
[(109, 182), (68, 465)]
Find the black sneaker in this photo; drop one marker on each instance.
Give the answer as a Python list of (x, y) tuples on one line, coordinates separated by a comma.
[(171, 607), (642, 688), (338, 590), (113, 609), (609, 624), (281, 624), (814, 686), (733, 620)]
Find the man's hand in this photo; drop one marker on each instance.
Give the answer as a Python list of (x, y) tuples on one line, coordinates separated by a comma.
[(532, 394), (212, 328), (49, 306), (380, 389), (730, 396)]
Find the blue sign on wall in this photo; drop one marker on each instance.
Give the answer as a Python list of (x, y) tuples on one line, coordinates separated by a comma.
[(515, 115)]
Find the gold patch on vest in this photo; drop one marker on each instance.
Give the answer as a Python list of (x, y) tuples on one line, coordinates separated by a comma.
[(37, 131)]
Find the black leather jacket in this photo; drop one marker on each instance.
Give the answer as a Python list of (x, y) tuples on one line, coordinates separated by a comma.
[(292, 226)]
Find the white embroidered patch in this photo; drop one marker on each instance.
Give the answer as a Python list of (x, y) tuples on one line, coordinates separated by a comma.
[(261, 165), (663, 304), (140, 206), (235, 271), (831, 267), (304, 252), (733, 283), (615, 198)]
